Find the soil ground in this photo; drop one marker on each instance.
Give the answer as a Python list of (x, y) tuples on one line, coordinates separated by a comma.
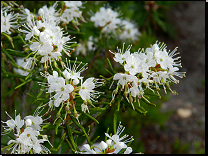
[(189, 20)]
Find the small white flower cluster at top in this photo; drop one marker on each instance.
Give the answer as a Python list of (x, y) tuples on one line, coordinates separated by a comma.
[(8, 19), (112, 146), (107, 19), (109, 22), (26, 138), (45, 36), (68, 87), (71, 12), (151, 68)]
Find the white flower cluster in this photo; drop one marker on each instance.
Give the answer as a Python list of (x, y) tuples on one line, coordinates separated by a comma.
[(129, 31), (67, 87), (45, 36), (153, 66), (113, 145), (107, 19), (8, 20), (72, 12), (26, 138)]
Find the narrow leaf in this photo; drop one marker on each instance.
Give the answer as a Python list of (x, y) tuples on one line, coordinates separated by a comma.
[(23, 83), (89, 116), (59, 145), (57, 125)]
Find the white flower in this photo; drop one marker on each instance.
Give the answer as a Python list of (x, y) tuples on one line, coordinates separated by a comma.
[(128, 150), (172, 72), (19, 147), (119, 143), (34, 122), (14, 124), (123, 79), (8, 20), (28, 136), (28, 122), (103, 145), (72, 12), (89, 151), (39, 148), (73, 4), (43, 46), (108, 142), (129, 31), (62, 92), (106, 18), (49, 14), (75, 81), (86, 91), (58, 85), (73, 72), (132, 65)]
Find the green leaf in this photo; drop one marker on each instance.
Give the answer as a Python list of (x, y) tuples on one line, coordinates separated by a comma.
[(13, 138), (31, 72), (23, 83), (89, 116), (31, 95), (101, 103), (69, 130), (46, 126), (103, 111), (114, 72), (105, 135), (59, 145), (115, 120), (57, 126), (16, 53), (70, 146), (8, 55), (22, 40), (82, 128), (118, 104), (95, 139), (109, 72), (9, 38)]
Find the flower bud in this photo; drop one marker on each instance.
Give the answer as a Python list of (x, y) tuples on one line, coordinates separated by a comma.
[(75, 81), (155, 47), (128, 150), (108, 142), (28, 122), (103, 145), (41, 11), (67, 108)]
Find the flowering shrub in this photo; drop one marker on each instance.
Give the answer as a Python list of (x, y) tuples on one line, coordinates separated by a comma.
[(41, 47)]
